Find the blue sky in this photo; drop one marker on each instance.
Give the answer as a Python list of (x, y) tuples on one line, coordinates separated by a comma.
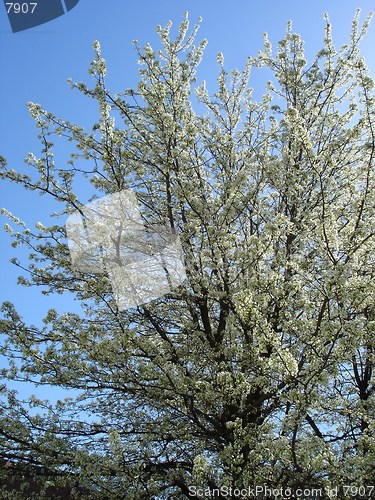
[(35, 65)]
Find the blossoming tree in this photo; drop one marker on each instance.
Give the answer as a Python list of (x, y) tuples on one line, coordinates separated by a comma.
[(257, 369)]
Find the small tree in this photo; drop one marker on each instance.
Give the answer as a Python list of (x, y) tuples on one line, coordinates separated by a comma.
[(257, 369)]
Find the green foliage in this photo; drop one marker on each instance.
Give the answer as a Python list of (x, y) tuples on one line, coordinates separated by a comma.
[(258, 369)]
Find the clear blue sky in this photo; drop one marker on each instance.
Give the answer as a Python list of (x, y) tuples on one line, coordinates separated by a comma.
[(36, 63)]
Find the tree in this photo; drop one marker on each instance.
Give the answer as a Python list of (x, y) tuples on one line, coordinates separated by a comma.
[(257, 370)]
